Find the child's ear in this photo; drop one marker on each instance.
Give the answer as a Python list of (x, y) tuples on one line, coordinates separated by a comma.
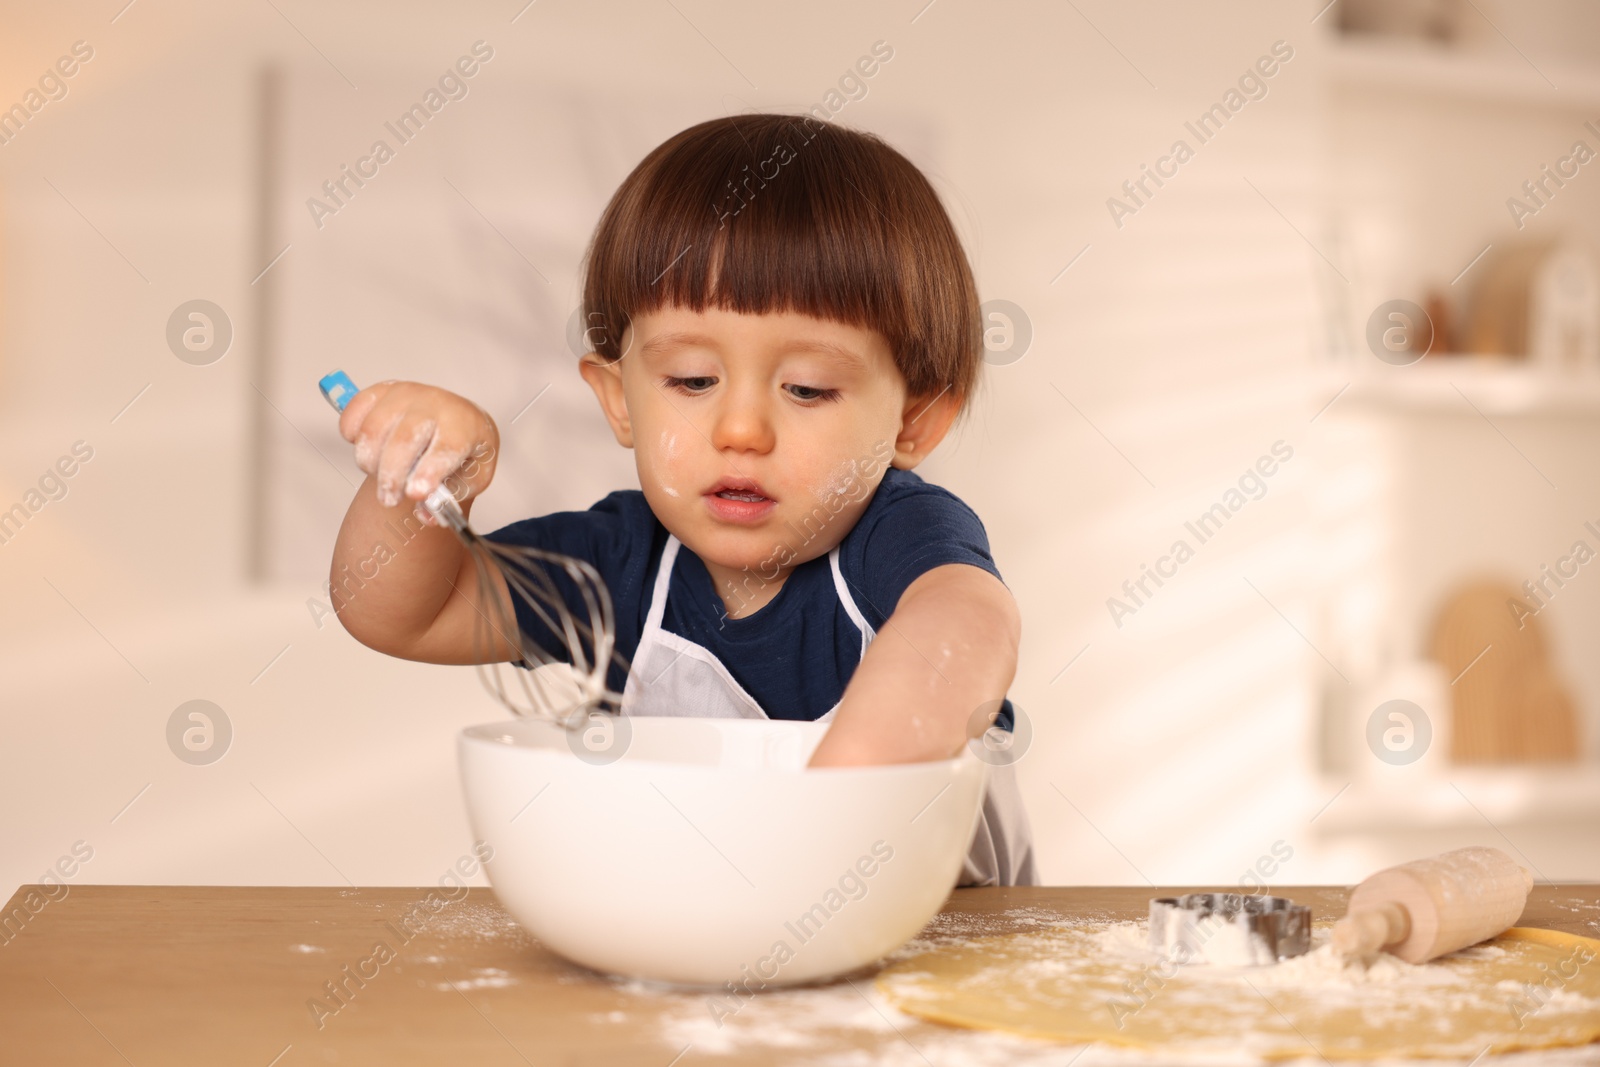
[(923, 424), (605, 378)]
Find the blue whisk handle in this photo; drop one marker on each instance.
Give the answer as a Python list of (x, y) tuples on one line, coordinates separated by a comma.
[(337, 389)]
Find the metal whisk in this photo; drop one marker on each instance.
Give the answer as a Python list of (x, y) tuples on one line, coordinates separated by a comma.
[(573, 686), (565, 697)]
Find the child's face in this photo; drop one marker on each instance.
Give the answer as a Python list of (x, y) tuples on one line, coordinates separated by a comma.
[(759, 438)]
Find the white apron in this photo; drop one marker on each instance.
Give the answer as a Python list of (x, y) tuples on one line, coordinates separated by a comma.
[(672, 675)]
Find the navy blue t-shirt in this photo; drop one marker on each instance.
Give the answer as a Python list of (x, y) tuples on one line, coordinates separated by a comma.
[(795, 654)]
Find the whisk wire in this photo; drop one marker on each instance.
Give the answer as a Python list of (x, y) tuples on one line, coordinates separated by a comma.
[(564, 697)]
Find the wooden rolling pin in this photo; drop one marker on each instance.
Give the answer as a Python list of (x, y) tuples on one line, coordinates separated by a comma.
[(1423, 909)]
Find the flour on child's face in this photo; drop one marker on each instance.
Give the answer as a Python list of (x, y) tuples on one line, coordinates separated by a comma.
[(669, 452), (839, 482), (805, 430)]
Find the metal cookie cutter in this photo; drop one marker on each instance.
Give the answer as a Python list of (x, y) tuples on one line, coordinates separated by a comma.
[(1270, 928)]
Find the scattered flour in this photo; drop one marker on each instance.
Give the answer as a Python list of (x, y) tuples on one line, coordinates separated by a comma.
[(481, 921), (947, 927), (1318, 969), (1430, 1007), (848, 1023), (1229, 946), (482, 978)]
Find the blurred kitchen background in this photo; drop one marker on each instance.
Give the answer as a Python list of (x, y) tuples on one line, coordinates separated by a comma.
[(1441, 452)]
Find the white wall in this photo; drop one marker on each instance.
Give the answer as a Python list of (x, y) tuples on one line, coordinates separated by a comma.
[(1179, 747)]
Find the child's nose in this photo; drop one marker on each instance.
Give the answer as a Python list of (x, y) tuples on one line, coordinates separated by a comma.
[(742, 425)]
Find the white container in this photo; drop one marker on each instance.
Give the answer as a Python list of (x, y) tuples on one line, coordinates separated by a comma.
[(706, 853)]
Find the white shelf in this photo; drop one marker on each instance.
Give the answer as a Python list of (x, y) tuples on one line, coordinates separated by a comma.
[(1505, 797), (1364, 62), (1467, 385)]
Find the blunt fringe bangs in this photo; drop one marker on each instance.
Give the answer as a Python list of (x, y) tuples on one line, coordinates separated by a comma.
[(765, 212)]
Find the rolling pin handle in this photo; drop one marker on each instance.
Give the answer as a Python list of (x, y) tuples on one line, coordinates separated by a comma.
[(1363, 934)]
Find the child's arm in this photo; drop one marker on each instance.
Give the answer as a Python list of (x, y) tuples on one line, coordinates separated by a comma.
[(949, 648), (416, 596)]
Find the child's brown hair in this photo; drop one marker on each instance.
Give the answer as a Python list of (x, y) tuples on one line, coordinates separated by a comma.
[(763, 212)]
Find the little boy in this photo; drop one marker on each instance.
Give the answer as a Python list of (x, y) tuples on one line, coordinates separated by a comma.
[(782, 324)]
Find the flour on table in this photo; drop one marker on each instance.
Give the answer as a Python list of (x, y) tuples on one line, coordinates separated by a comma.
[(851, 1023), (479, 921), (482, 978), (1103, 984), (1319, 968)]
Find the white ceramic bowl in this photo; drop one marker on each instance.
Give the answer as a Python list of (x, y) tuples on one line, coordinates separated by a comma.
[(707, 854)]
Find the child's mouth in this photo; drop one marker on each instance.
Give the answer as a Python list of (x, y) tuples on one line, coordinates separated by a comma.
[(739, 500)]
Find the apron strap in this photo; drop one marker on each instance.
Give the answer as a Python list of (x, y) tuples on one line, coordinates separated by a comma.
[(849, 602), (658, 595), (669, 556)]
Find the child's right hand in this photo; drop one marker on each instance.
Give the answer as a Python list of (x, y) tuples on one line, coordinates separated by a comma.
[(410, 437)]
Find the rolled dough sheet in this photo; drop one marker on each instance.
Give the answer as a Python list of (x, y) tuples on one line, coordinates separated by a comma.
[(1525, 989)]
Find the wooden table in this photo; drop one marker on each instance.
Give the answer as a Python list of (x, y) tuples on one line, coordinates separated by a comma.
[(179, 975)]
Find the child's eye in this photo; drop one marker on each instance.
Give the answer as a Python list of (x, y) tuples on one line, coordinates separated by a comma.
[(811, 393), (691, 385)]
